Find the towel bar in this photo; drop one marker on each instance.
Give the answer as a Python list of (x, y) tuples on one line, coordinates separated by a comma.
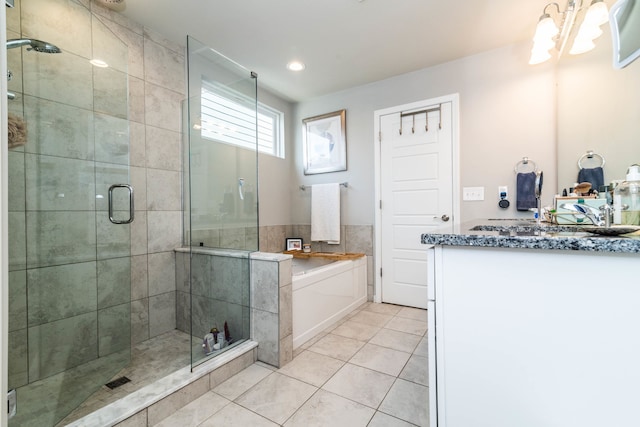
[(525, 161), (304, 187)]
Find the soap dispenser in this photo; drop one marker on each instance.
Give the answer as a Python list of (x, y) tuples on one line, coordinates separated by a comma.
[(626, 198)]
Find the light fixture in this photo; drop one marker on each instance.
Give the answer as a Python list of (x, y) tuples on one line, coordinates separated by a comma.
[(597, 14), (549, 35), (98, 63), (295, 66)]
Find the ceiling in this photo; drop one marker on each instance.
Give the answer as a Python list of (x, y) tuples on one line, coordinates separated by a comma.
[(344, 43)]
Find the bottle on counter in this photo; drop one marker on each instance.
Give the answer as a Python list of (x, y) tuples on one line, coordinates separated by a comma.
[(626, 198)]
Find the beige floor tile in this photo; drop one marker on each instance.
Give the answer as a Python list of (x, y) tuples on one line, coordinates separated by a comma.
[(328, 409), (416, 370), (384, 308), (395, 339), (409, 326), (423, 348), (276, 397), (360, 384), (312, 368), (413, 313), (380, 419), (371, 318), (357, 331), (242, 381), (381, 359), (338, 347), (236, 416), (196, 412), (407, 401)]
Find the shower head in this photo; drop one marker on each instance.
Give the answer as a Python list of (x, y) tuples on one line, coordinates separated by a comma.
[(37, 45)]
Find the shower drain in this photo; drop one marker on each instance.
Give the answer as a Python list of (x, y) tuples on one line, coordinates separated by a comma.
[(117, 382)]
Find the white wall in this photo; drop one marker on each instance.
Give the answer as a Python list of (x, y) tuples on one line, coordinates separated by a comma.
[(273, 172), (507, 111)]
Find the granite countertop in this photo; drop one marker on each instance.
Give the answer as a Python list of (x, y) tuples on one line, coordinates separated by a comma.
[(526, 234)]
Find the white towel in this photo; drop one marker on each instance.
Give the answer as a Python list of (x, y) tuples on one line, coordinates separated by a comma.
[(325, 213)]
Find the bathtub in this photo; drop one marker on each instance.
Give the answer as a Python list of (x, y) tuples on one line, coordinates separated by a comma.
[(325, 291)]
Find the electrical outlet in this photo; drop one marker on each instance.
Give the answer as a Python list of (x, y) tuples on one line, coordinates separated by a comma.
[(503, 192), (472, 193)]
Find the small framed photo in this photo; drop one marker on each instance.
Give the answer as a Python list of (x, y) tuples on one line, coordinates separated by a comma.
[(325, 143), (294, 244)]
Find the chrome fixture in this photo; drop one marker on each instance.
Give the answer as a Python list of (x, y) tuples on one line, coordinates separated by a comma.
[(37, 45), (549, 35), (596, 216)]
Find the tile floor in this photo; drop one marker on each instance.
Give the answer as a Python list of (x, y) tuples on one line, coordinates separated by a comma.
[(368, 370)]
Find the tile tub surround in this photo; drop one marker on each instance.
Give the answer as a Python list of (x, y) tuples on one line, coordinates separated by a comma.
[(354, 238), (341, 378), (511, 234)]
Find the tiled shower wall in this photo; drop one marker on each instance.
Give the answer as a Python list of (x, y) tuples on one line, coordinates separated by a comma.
[(155, 79), (156, 90)]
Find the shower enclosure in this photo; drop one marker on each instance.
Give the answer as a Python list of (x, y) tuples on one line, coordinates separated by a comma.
[(69, 232), (220, 197)]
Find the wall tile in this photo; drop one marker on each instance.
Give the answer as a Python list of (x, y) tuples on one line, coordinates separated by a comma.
[(265, 332), (162, 276), (162, 313), (107, 174), (230, 275), (164, 67), (17, 300), (162, 107), (112, 139), (139, 320), (183, 312), (163, 148), (56, 183), (264, 282), (114, 282), (114, 329), (60, 292), (59, 129), (66, 78), (63, 344), (13, 17), (285, 272), (183, 271), (139, 233), (170, 404), (163, 190), (359, 238), (60, 238), (165, 230), (133, 40), (286, 311), (113, 240), (71, 30), (17, 187), (17, 242), (139, 184), (18, 359), (110, 91), (136, 100), (107, 47), (162, 40), (139, 277)]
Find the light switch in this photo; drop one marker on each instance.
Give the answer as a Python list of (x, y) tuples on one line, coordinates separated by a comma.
[(472, 193)]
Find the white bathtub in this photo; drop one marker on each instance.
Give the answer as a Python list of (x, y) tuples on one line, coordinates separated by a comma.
[(324, 292)]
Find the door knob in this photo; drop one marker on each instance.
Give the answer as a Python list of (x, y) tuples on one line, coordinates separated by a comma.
[(445, 217)]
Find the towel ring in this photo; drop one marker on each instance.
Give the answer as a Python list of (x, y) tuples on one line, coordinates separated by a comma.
[(525, 161), (590, 155)]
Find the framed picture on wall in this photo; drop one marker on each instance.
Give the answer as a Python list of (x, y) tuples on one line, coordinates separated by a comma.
[(293, 244), (325, 143)]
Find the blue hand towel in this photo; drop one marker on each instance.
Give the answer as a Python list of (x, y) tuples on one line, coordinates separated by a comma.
[(525, 191), (593, 175)]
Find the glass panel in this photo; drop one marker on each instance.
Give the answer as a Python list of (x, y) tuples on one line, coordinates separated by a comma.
[(70, 266), (222, 215)]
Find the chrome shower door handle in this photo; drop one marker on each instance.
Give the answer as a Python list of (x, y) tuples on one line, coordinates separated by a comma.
[(131, 208)]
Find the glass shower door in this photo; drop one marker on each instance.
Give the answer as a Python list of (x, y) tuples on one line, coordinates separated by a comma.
[(221, 220), (69, 238)]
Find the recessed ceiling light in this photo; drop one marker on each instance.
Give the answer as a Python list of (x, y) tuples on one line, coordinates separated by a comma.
[(99, 63), (296, 66)]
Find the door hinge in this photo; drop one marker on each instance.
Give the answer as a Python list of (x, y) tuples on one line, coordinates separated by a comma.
[(380, 204), (380, 271), (379, 136)]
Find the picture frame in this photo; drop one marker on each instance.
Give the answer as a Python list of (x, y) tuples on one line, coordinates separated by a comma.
[(325, 143), (293, 244)]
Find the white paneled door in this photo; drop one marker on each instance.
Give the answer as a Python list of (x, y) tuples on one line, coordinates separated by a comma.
[(416, 194)]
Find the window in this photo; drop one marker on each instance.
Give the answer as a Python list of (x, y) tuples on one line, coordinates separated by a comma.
[(229, 117)]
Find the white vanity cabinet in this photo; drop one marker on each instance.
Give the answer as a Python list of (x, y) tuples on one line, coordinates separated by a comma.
[(533, 338)]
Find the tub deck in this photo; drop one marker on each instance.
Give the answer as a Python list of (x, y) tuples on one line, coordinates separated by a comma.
[(336, 256)]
